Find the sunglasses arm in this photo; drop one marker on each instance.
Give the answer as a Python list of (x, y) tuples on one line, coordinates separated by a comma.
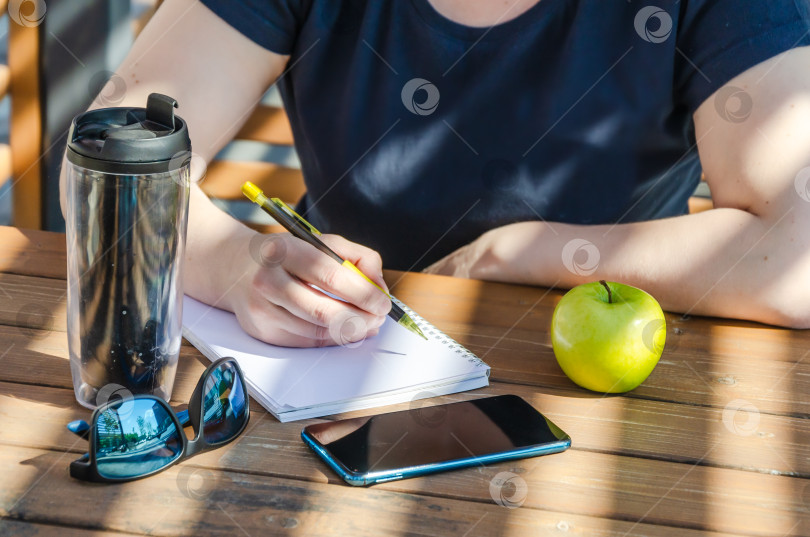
[(82, 429), (182, 417)]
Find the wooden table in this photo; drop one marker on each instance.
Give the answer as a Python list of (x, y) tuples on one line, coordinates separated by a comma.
[(714, 443)]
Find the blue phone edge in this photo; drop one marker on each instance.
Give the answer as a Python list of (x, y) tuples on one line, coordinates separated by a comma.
[(360, 480)]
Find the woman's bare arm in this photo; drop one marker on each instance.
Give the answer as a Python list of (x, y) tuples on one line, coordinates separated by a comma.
[(217, 76)]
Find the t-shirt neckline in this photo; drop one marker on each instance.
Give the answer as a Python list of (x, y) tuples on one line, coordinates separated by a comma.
[(473, 33)]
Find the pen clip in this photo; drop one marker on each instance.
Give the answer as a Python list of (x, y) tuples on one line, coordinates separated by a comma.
[(297, 217)]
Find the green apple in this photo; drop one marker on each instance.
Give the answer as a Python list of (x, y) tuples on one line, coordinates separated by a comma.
[(608, 336)]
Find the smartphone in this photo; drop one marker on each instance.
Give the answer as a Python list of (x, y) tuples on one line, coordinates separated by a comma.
[(424, 440)]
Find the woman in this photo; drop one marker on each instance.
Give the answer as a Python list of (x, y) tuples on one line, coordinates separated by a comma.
[(547, 142)]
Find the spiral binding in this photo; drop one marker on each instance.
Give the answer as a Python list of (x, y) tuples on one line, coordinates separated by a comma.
[(434, 333)]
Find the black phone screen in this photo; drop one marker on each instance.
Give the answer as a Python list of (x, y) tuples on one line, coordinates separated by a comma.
[(427, 435)]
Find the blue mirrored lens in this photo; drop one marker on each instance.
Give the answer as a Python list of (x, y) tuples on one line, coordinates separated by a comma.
[(135, 437), (225, 409)]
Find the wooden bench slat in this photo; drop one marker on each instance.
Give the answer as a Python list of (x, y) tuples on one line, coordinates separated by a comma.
[(224, 180), (267, 124), (266, 228), (139, 23), (25, 131), (5, 73), (5, 163), (698, 204)]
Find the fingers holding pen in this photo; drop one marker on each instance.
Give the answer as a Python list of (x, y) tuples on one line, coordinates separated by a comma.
[(331, 263), (312, 266), (284, 309), (320, 270), (332, 318), (368, 261), (278, 326)]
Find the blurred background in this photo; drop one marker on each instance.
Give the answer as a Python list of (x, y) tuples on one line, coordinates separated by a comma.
[(55, 57)]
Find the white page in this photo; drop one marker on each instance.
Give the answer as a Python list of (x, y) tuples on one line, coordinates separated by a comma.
[(359, 404), (393, 360)]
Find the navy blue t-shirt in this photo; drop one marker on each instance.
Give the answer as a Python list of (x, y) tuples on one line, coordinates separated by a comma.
[(417, 134)]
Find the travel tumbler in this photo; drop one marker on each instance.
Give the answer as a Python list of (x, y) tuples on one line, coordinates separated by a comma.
[(127, 211)]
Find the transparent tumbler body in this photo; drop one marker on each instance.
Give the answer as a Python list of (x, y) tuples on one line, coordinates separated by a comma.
[(126, 238)]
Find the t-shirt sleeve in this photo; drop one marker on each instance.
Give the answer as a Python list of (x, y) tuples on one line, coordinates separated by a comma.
[(720, 39), (272, 24)]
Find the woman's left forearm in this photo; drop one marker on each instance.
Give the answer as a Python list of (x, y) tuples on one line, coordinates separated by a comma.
[(723, 262)]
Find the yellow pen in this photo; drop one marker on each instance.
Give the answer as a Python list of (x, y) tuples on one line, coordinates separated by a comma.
[(300, 228)]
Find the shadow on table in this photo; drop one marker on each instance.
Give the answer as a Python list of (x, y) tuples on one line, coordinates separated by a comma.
[(696, 492)]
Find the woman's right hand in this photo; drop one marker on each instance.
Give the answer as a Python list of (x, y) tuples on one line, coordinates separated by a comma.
[(274, 299)]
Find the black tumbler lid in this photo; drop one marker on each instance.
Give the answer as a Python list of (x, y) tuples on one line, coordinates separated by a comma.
[(130, 140)]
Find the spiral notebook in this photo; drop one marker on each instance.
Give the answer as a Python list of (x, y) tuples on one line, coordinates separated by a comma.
[(394, 366)]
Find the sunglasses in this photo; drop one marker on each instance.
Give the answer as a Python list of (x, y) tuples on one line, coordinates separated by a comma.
[(136, 437)]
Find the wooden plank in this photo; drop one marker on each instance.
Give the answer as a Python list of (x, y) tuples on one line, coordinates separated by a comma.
[(140, 23), (698, 204), (5, 163), (619, 425), (25, 133), (266, 228), (704, 361), (33, 302), (19, 528), (32, 253), (37, 488), (268, 124), (708, 363), (224, 179), (5, 73), (41, 253), (41, 357)]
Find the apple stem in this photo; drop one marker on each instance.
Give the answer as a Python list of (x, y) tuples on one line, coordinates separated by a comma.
[(610, 295)]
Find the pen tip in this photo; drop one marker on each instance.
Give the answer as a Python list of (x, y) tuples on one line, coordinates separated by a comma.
[(408, 323)]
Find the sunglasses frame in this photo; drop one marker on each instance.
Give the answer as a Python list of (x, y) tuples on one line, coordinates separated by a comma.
[(86, 467)]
